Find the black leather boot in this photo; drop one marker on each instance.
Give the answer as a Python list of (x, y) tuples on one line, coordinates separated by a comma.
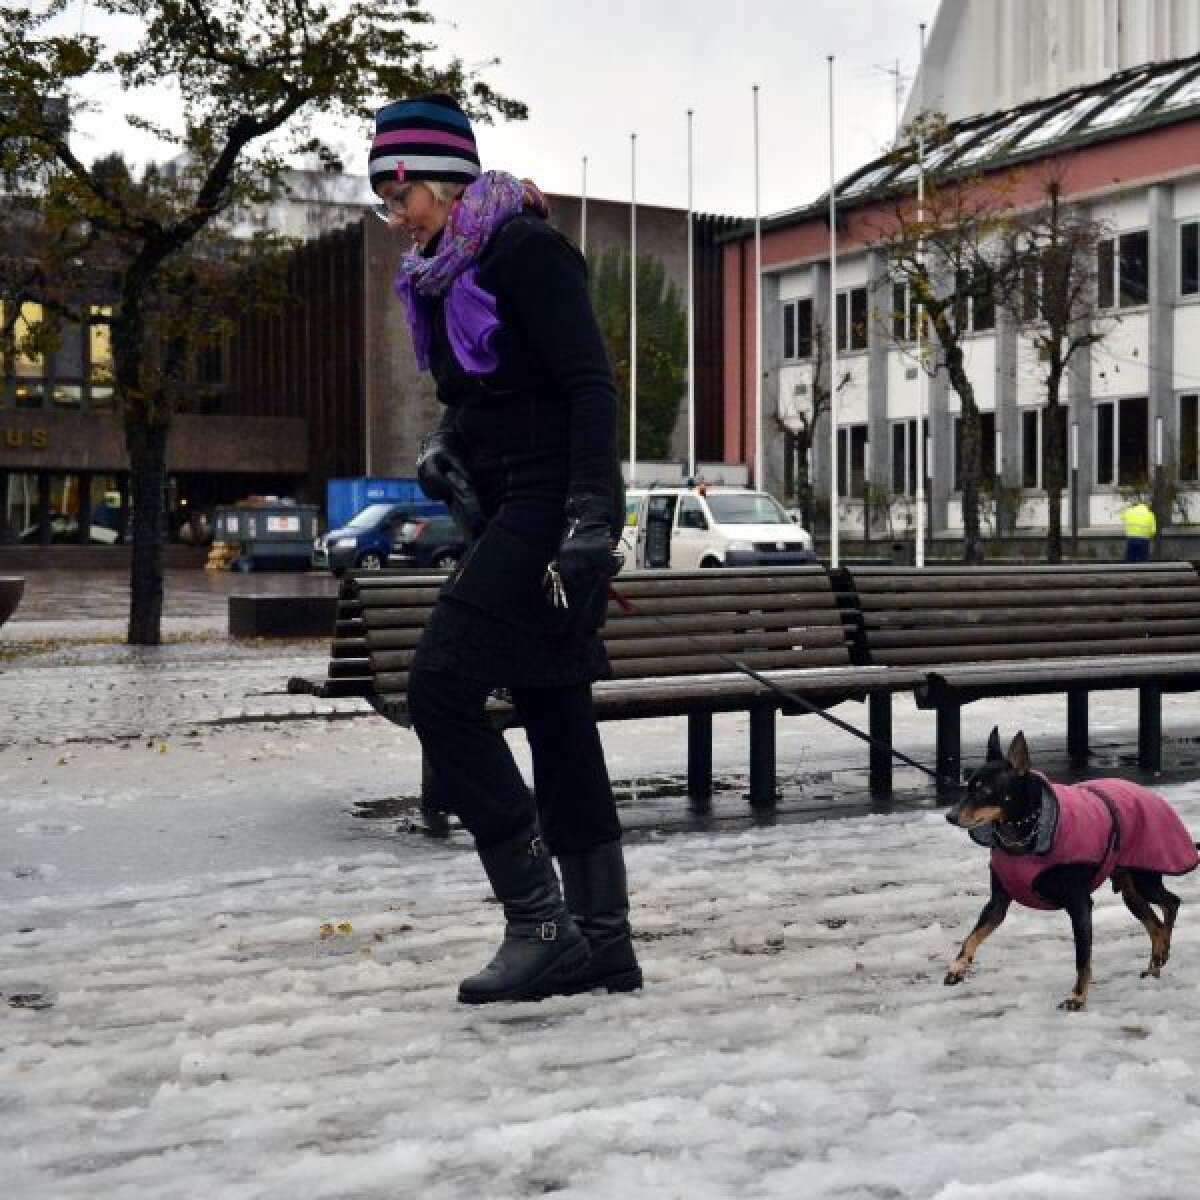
[(597, 896), (542, 945)]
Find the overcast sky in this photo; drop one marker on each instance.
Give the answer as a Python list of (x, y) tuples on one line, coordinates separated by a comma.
[(594, 72)]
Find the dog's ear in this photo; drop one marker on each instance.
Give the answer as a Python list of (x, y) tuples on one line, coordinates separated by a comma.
[(1018, 754), (994, 753)]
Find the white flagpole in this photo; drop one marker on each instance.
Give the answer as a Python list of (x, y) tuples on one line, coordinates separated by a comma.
[(691, 312), (758, 322), (833, 362), (583, 212), (922, 374), (632, 308)]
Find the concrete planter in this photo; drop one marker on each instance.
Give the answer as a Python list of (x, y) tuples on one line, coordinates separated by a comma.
[(11, 589)]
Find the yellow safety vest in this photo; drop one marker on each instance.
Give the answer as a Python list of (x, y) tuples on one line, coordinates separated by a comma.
[(1139, 522)]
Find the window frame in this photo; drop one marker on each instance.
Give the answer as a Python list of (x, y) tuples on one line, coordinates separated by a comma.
[(1113, 287), (800, 330), (1189, 231), (1118, 475), (852, 335), (852, 443), (906, 427)]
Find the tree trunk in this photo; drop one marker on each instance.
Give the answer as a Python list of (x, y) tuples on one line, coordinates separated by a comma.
[(148, 466), (145, 417), (1054, 452), (971, 463)]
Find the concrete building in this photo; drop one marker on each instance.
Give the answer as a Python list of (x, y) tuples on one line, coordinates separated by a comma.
[(983, 56), (327, 387), (1127, 149)]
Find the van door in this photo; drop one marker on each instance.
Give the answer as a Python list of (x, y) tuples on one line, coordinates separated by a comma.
[(691, 534), (654, 536)]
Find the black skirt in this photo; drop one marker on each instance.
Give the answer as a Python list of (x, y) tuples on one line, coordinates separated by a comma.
[(494, 621)]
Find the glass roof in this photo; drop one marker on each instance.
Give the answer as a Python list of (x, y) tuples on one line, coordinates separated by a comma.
[(1135, 96)]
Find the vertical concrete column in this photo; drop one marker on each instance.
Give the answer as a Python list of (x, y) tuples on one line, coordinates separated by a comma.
[(1007, 417), (773, 434), (1160, 222), (941, 458), (879, 332), (1082, 413), (822, 323)]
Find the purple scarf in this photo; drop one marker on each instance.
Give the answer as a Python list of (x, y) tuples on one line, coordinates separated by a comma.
[(472, 321)]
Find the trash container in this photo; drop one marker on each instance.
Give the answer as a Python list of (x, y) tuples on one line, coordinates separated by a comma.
[(268, 536), (904, 554)]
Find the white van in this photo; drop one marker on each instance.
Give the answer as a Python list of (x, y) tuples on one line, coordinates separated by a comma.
[(688, 527)]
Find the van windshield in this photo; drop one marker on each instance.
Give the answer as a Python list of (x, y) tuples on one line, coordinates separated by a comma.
[(742, 508), (370, 516)]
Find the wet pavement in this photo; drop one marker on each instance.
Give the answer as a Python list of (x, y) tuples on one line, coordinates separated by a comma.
[(76, 604)]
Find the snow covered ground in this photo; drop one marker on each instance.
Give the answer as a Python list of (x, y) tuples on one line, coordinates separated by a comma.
[(220, 982)]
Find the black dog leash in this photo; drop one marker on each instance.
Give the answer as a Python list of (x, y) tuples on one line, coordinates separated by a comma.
[(627, 607)]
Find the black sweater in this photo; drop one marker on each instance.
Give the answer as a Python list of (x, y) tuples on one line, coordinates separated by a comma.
[(550, 407)]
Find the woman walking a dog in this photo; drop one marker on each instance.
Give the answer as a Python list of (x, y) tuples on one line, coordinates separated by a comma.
[(526, 457)]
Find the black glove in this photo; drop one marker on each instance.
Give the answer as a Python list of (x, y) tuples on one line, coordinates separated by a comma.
[(443, 475), (582, 567), (585, 553)]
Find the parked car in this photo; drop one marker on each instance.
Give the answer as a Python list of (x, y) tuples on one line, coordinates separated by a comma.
[(429, 542), (701, 526), (365, 541)]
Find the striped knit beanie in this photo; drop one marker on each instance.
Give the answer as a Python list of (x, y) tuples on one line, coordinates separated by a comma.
[(429, 138)]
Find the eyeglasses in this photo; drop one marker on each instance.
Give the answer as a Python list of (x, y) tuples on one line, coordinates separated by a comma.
[(395, 205)]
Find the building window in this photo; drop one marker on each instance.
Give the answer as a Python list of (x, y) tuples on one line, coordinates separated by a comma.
[(1035, 446), (1189, 439), (852, 458), (974, 302), (797, 329), (1123, 269), (987, 445), (852, 319), (904, 313), (1122, 442), (904, 457), (100, 360), (1189, 258), (19, 500)]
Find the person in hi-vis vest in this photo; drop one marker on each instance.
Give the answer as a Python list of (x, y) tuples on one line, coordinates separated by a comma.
[(1140, 527)]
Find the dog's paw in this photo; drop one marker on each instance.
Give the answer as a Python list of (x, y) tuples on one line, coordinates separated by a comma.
[(1074, 1002), (955, 974), (1153, 971)]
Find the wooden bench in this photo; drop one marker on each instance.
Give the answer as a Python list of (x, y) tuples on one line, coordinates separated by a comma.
[(978, 632), (665, 653)]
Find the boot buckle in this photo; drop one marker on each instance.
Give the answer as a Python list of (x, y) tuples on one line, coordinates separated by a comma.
[(548, 931)]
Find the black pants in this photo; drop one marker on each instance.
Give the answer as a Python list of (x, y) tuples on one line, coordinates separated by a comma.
[(478, 780)]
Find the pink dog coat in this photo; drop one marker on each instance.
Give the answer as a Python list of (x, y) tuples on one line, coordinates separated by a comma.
[(1148, 834)]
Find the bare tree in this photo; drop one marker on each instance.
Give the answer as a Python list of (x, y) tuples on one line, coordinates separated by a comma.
[(1049, 282), (948, 255)]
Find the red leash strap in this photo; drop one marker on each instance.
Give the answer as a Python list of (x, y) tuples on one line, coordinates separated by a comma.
[(622, 602)]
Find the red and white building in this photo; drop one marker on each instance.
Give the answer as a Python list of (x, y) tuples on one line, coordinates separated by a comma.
[(1127, 148)]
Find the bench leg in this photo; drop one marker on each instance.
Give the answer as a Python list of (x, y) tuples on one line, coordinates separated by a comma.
[(1077, 726), (1150, 727), (762, 756), (433, 812), (699, 764), (879, 711), (949, 743)]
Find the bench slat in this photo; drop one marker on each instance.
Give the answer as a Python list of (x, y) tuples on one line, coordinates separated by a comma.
[(1046, 597), (940, 618), (908, 656), (1016, 637)]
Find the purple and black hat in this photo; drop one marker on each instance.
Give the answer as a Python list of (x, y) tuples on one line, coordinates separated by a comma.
[(429, 138)]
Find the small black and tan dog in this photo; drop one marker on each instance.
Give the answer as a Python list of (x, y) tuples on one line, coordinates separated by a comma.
[(1053, 844)]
